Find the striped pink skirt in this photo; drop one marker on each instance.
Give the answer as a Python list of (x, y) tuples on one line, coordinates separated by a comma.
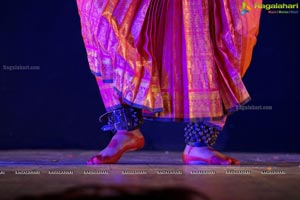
[(178, 60)]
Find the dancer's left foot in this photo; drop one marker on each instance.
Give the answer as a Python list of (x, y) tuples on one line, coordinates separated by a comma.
[(206, 155)]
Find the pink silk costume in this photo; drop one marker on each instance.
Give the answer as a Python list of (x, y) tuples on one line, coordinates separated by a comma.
[(178, 60)]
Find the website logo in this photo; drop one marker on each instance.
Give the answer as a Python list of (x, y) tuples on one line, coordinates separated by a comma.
[(271, 8), (245, 8), (278, 8)]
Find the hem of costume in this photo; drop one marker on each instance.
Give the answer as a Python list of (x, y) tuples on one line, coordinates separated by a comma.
[(236, 107), (129, 103), (150, 112), (206, 120)]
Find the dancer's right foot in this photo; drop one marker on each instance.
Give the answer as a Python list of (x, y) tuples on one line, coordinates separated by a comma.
[(120, 143)]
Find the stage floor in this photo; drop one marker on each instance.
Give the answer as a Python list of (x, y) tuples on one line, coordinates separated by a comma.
[(153, 174)]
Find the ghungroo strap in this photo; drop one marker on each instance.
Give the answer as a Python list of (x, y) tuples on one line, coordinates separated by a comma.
[(199, 134), (122, 119)]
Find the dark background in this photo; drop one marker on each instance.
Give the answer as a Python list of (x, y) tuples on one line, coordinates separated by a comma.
[(58, 106)]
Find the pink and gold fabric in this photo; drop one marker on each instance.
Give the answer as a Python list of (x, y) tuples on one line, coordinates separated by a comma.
[(178, 60)]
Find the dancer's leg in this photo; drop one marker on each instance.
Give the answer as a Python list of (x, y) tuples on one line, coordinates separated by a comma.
[(125, 138), (199, 138)]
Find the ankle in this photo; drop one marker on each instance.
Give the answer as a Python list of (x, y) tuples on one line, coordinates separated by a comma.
[(132, 133), (136, 132), (188, 149)]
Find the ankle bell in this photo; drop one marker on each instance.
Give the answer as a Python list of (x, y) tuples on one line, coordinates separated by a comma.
[(200, 134), (122, 119)]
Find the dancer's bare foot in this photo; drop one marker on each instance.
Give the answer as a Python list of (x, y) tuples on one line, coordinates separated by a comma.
[(121, 142), (206, 155)]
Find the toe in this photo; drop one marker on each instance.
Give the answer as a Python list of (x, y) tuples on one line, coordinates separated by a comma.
[(234, 161), (94, 160), (97, 159), (90, 162), (225, 161)]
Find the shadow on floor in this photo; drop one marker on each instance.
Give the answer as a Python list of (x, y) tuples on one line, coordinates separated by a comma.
[(89, 192)]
